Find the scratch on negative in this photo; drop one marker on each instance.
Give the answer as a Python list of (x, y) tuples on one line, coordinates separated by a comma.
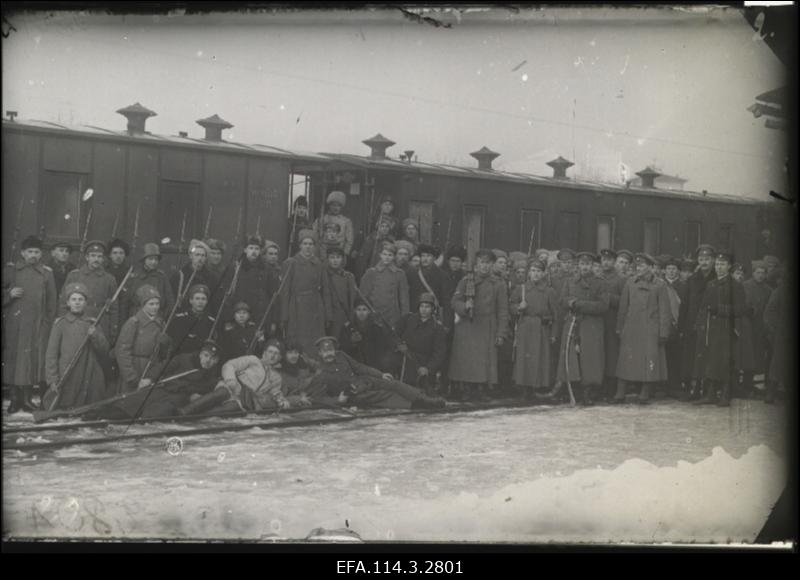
[(424, 19)]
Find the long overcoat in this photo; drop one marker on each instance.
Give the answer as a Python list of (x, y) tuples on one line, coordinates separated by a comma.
[(473, 357), (718, 322), (26, 322), (342, 289), (644, 322), (756, 296), (101, 286), (255, 286), (586, 348), (305, 307), (386, 287), (536, 327), (189, 330), (135, 345), (687, 319), (85, 383), (613, 284)]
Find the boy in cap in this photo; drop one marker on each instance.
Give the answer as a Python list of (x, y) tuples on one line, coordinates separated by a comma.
[(687, 318), (190, 328), (138, 339), (167, 399), (386, 287), (29, 307), (86, 382), (613, 284), (582, 352), (344, 236), (536, 305), (718, 320), (343, 381), (481, 303), (342, 289), (216, 253), (101, 287), (643, 325), (147, 273), (60, 263), (236, 336), (623, 263), (423, 346)]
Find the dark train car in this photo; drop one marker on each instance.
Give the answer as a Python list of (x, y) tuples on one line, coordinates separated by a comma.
[(47, 168), (481, 206)]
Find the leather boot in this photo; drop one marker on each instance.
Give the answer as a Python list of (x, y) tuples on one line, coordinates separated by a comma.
[(209, 401), (620, 396), (27, 399), (644, 395), (709, 394), (16, 400), (425, 402)]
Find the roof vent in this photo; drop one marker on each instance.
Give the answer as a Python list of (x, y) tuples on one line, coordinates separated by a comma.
[(137, 116), (485, 156), (378, 145), (11, 115), (560, 166), (183, 134), (648, 175), (409, 153), (214, 126)]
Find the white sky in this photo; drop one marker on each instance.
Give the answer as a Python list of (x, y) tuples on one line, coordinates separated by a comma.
[(596, 85)]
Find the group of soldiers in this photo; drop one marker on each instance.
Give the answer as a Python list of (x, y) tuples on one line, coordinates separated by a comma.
[(393, 324)]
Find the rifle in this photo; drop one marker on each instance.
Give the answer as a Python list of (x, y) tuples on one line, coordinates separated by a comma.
[(114, 228), (524, 282), (469, 290), (447, 239), (135, 231), (258, 225), (182, 240), (208, 221), (86, 230), (54, 395), (566, 359), (227, 295), (275, 295), (42, 416)]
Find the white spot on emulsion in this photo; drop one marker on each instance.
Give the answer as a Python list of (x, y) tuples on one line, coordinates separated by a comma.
[(282, 108), (377, 490), (524, 78), (67, 216), (641, 141), (199, 53)]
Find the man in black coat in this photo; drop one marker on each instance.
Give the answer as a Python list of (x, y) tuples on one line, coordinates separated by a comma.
[(191, 328), (695, 287), (426, 278), (60, 263), (423, 346)]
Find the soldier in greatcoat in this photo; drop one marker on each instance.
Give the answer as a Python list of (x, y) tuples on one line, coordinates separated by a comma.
[(85, 382), (29, 308), (305, 309), (138, 338), (718, 325), (613, 284), (191, 327), (536, 305), (147, 273), (676, 290), (644, 322), (386, 287), (582, 352), (756, 296), (298, 222), (423, 346), (687, 319), (342, 289), (481, 304), (214, 261), (101, 287)]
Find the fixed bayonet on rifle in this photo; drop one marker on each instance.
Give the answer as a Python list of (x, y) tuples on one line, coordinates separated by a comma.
[(272, 300), (227, 295), (16, 230), (136, 230), (258, 225), (86, 229), (116, 225), (208, 221)]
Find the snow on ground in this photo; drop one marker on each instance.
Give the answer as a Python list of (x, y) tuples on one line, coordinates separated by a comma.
[(668, 472)]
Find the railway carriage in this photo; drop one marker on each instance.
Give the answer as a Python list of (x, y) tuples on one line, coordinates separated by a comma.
[(47, 167)]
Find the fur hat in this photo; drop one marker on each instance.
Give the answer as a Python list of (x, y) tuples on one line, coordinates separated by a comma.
[(76, 287), (215, 244), (428, 249), (404, 244), (146, 292), (457, 252), (337, 197), (31, 242), (117, 243), (307, 233), (194, 244)]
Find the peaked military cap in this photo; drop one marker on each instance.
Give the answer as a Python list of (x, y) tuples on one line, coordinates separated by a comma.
[(646, 258), (241, 306), (320, 342), (591, 256), (628, 255), (608, 253), (426, 297), (566, 254), (705, 250), (95, 246), (198, 288)]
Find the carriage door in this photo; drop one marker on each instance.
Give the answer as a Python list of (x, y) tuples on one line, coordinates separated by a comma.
[(422, 212), (474, 219)]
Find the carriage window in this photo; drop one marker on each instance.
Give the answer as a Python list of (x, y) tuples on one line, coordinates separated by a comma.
[(569, 230), (422, 212), (474, 219), (725, 240), (530, 219), (606, 230), (62, 192), (178, 198), (652, 237), (694, 232)]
